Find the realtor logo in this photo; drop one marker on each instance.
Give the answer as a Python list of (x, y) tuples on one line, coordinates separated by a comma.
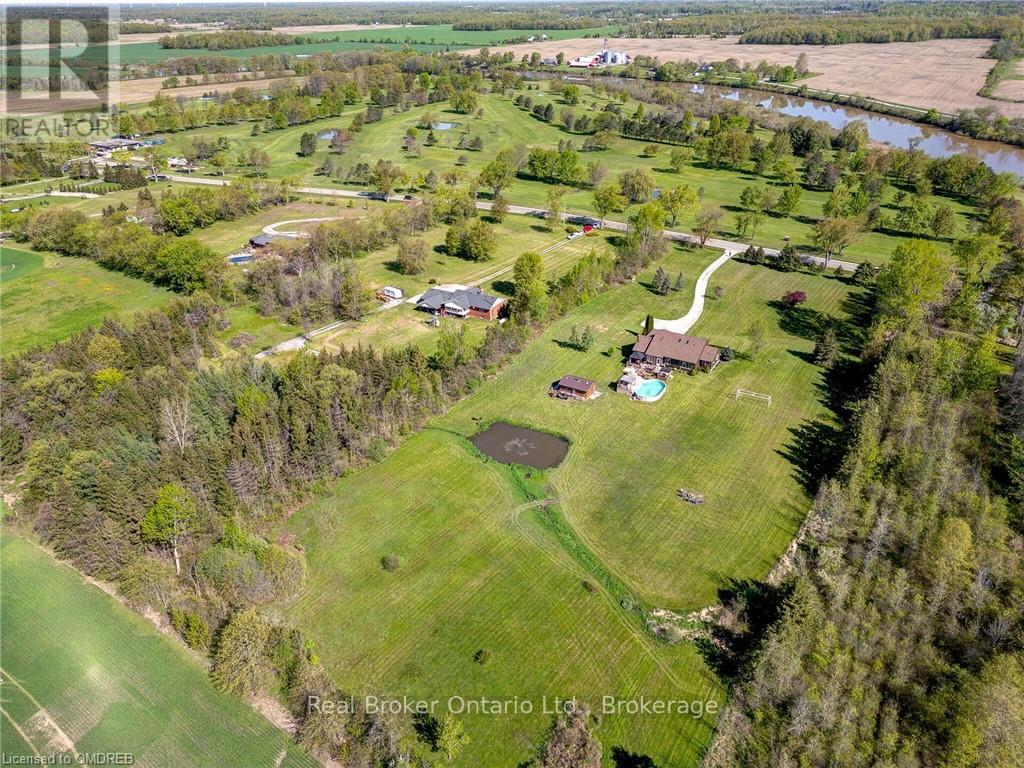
[(57, 59)]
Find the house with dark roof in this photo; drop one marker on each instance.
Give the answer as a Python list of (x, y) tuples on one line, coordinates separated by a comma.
[(675, 350), (458, 301), (570, 386)]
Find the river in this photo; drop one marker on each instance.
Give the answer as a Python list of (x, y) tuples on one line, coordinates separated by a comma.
[(895, 131)]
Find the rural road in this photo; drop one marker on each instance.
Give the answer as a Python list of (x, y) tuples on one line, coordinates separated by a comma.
[(522, 210), (686, 322)]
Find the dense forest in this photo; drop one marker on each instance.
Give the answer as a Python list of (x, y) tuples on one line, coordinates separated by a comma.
[(900, 636)]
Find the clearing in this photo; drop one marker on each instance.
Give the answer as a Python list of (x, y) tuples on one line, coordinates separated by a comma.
[(47, 297), (484, 566)]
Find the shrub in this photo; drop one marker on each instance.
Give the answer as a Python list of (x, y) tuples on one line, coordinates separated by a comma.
[(483, 657), (390, 563)]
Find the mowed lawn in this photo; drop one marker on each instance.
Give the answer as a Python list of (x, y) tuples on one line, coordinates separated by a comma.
[(478, 571), (618, 484), (45, 297), (111, 682), (503, 125)]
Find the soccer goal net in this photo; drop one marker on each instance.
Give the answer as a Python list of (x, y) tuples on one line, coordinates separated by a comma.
[(754, 396)]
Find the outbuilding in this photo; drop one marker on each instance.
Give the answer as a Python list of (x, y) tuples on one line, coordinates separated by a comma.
[(575, 387)]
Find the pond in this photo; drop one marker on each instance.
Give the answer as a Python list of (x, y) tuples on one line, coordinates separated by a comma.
[(329, 135), (444, 126), (517, 445), (895, 131)]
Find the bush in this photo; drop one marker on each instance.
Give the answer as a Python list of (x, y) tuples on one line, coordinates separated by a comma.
[(483, 657), (390, 563)]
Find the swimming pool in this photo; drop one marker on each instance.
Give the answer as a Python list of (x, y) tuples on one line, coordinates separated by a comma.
[(650, 390)]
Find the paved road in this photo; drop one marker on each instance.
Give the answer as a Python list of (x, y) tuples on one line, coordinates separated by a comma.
[(686, 322), (522, 210)]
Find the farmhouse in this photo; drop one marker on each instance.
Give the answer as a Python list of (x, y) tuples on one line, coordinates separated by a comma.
[(675, 350), (575, 387), (459, 301)]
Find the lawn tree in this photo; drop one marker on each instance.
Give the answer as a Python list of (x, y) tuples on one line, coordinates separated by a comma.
[(756, 333), (451, 737), (748, 222), (637, 185), (170, 519), (452, 348), (679, 282), (679, 158), (219, 162), (794, 298), (412, 255), (826, 348), (241, 664), (387, 176), (608, 199), (307, 144), (679, 201), (788, 259), (530, 299), (789, 200), (499, 208), (569, 743), (865, 273), (662, 284), (556, 205), (464, 100), (596, 172), (709, 218), (155, 160), (586, 338), (834, 235), (643, 242), (648, 323), (498, 174)]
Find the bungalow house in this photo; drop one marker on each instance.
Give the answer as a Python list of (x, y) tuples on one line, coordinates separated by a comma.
[(570, 386), (675, 350), (458, 301)]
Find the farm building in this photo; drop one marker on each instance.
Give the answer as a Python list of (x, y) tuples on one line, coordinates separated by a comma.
[(570, 386), (459, 301), (675, 350)]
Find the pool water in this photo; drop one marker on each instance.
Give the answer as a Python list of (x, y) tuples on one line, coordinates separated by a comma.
[(650, 389)]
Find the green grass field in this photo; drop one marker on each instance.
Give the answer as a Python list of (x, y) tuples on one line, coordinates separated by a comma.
[(482, 569), (47, 297), (504, 125), (105, 677), (427, 38)]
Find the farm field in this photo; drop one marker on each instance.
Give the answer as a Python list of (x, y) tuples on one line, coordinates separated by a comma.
[(481, 569), (504, 125), (47, 297), (933, 74), (76, 659), (427, 38)]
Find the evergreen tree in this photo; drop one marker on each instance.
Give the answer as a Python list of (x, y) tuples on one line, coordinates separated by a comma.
[(826, 349)]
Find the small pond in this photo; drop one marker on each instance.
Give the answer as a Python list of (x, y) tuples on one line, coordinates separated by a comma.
[(329, 135), (444, 126), (517, 445)]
